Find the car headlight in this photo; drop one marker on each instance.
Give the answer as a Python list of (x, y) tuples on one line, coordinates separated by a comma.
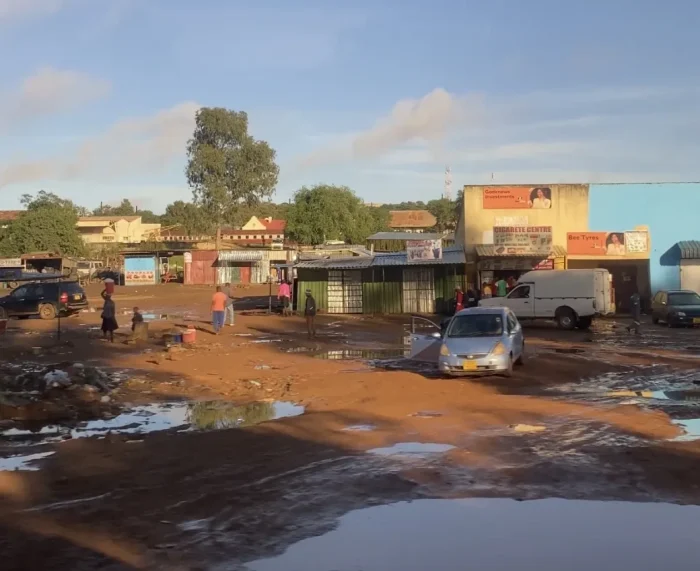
[(444, 351), (680, 313), (499, 349)]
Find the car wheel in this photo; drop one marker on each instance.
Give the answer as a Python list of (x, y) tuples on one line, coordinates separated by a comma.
[(520, 361), (509, 371), (566, 318), (47, 311)]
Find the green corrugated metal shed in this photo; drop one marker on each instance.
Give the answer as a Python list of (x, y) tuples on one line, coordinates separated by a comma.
[(382, 280)]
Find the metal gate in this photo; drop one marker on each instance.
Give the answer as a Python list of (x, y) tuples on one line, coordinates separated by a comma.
[(344, 291), (418, 290)]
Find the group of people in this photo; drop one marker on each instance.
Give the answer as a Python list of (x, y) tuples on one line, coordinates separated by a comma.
[(223, 300), (471, 297), (499, 288), (109, 317)]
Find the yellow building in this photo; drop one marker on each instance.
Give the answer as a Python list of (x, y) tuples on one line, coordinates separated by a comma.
[(510, 229), (115, 229)]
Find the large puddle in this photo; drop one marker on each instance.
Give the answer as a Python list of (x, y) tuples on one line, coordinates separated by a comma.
[(183, 416), (502, 535)]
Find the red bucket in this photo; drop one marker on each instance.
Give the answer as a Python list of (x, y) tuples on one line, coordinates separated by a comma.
[(189, 336)]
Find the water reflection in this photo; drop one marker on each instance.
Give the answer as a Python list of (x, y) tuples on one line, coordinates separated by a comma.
[(502, 535)]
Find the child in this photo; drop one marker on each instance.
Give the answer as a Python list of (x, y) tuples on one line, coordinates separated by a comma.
[(137, 318)]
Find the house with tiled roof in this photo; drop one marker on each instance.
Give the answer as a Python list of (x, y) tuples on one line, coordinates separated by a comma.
[(7, 216)]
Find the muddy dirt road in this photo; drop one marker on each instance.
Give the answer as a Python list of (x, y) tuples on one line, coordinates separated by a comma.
[(260, 449)]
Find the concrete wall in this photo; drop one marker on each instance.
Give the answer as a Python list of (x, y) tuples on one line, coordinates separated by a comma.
[(670, 210), (569, 213)]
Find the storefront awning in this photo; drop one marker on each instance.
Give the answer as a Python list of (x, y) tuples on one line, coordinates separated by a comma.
[(489, 251)]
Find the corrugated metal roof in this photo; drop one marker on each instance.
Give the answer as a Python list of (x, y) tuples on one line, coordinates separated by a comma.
[(240, 256), (489, 251), (405, 236), (449, 256), (689, 249), (354, 263)]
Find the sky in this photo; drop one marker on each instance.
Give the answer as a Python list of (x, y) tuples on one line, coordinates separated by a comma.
[(98, 97)]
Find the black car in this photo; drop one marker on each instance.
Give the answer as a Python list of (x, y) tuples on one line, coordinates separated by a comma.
[(676, 308), (45, 299)]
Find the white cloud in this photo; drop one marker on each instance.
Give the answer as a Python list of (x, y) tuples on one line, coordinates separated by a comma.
[(429, 119), (11, 10), (49, 91), (131, 146)]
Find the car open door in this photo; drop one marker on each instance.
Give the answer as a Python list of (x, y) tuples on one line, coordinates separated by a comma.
[(424, 340)]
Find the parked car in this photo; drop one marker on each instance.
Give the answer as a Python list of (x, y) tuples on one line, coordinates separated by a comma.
[(676, 308), (572, 298), (45, 299), (476, 341)]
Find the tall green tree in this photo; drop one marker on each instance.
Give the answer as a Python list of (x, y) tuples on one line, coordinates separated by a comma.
[(47, 225), (226, 166), (326, 212)]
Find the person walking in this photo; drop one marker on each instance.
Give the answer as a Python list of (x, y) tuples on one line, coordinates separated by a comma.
[(284, 295), (109, 317), (310, 314), (218, 309), (459, 299), (501, 288), (636, 312), (229, 306)]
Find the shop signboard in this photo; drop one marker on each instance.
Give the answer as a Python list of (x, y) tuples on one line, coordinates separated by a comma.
[(607, 243), (418, 251), (10, 262), (517, 197), (522, 240)]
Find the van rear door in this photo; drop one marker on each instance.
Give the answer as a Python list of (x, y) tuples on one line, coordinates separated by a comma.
[(602, 283)]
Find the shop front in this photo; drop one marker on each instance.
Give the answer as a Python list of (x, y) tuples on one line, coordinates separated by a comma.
[(492, 266), (625, 254), (515, 250)]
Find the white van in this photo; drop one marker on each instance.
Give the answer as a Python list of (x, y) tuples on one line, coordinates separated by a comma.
[(571, 297)]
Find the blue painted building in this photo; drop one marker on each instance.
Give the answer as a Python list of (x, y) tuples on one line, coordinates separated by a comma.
[(670, 210)]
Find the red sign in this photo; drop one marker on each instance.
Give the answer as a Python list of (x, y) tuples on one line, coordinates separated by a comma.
[(517, 197), (544, 265), (595, 244)]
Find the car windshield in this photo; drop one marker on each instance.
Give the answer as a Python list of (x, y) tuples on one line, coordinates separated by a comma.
[(476, 325), (685, 298)]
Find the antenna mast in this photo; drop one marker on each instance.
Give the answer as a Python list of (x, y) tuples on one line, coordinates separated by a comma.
[(447, 193)]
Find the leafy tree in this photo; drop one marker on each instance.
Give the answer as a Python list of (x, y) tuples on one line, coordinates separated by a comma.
[(227, 167), (190, 217), (326, 212), (445, 213), (47, 225), (125, 208)]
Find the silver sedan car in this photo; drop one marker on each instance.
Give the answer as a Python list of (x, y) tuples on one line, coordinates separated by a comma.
[(482, 340)]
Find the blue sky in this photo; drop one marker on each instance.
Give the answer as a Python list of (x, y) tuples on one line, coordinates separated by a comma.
[(97, 97)]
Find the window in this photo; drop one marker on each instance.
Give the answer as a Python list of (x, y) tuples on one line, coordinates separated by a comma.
[(21, 291), (520, 292), (684, 298), (476, 325)]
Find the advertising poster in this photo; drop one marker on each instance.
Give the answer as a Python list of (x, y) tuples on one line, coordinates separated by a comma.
[(596, 244), (637, 242), (522, 240), (423, 250), (517, 197)]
